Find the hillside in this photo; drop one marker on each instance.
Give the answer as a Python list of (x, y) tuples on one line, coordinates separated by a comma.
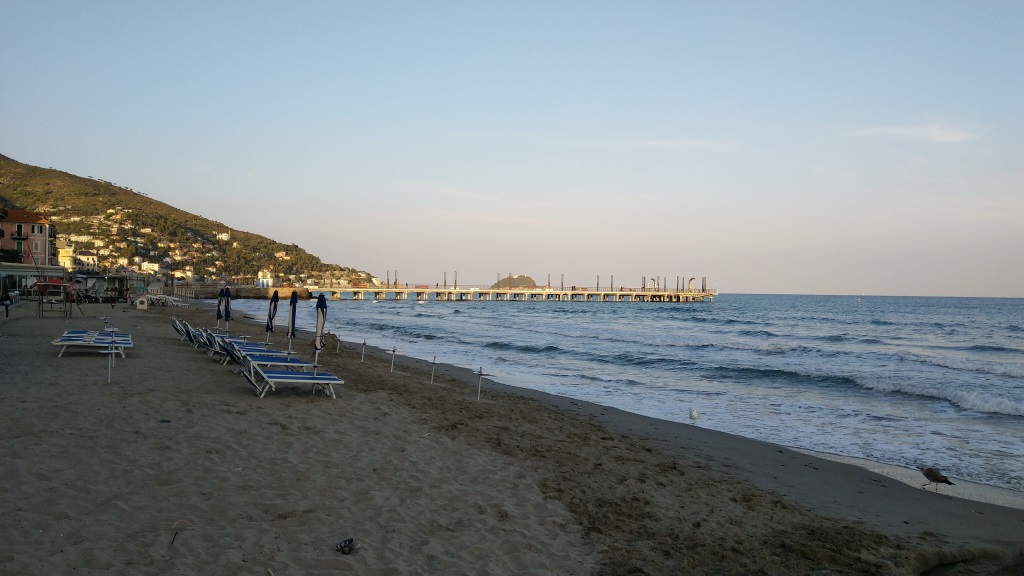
[(518, 281), (77, 204)]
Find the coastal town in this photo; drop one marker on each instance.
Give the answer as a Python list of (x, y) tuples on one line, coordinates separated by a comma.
[(111, 244)]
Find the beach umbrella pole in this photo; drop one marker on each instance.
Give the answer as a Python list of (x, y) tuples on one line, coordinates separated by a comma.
[(363, 354), (432, 365), (393, 351), (271, 312)]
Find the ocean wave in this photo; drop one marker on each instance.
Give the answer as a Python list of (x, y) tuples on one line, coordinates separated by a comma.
[(630, 359), (721, 321), (963, 398), (990, 348), (523, 348), (780, 375), (758, 333), (985, 367), (418, 334)]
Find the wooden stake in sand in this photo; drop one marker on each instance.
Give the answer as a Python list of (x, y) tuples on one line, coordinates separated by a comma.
[(363, 355), (393, 351), (432, 364)]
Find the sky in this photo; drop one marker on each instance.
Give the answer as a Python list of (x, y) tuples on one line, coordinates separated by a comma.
[(802, 147)]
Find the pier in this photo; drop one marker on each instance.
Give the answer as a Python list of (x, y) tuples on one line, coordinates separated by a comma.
[(423, 294)]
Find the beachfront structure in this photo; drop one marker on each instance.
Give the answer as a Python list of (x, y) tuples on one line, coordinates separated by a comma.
[(30, 236), (22, 277), (574, 294)]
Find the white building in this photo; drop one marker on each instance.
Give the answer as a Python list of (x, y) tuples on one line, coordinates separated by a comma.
[(266, 279)]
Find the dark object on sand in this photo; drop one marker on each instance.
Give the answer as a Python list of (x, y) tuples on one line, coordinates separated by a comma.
[(346, 546), (935, 476)]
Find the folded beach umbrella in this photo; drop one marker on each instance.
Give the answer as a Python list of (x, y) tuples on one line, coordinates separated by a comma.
[(293, 302), (227, 309), (270, 316), (220, 305), (321, 318)]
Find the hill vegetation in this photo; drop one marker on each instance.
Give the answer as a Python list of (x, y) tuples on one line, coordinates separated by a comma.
[(518, 281), (75, 203)]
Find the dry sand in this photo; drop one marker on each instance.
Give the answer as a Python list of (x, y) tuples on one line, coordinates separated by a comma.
[(177, 467)]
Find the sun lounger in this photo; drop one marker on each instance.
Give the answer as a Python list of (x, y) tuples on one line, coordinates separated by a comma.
[(179, 328), (270, 362), (202, 339), (213, 345), (94, 341), (191, 334), (265, 380), (240, 346)]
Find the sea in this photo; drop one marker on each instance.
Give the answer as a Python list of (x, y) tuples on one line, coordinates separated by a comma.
[(901, 381)]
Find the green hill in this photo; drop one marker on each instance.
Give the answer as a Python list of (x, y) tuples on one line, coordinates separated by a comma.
[(518, 281), (76, 203)]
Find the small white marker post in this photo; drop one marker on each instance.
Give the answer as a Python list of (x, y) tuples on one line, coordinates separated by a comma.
[(110, 352), (479, 381), (363, 355), (393, 351), (432, 365)]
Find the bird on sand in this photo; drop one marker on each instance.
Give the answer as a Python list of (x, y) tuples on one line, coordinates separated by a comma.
[(693, 415), (935, 476)]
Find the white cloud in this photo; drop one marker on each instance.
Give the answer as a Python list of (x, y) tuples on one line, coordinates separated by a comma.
[(923, 133)]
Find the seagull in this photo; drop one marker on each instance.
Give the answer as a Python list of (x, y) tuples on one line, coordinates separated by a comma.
[(693, 415), (935, 476)]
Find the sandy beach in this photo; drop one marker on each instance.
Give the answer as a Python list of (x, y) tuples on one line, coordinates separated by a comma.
[(177, 467)]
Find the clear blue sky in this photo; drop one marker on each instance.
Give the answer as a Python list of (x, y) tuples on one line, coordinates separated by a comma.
[(774, 147)]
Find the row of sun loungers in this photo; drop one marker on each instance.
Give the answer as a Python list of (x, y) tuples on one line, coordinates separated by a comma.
[(94, 341), (265, 369), (164, 300)]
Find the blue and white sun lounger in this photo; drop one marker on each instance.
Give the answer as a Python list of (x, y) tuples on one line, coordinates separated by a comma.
[(265, 379), (95, 341)]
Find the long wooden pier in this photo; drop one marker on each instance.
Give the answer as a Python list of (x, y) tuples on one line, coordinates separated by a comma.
[(422, 294)]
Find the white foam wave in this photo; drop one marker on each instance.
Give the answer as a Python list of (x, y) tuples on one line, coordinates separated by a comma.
[(966, 399), (998, 368)]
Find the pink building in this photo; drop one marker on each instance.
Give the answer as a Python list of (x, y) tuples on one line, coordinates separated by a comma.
[(30, 235)]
